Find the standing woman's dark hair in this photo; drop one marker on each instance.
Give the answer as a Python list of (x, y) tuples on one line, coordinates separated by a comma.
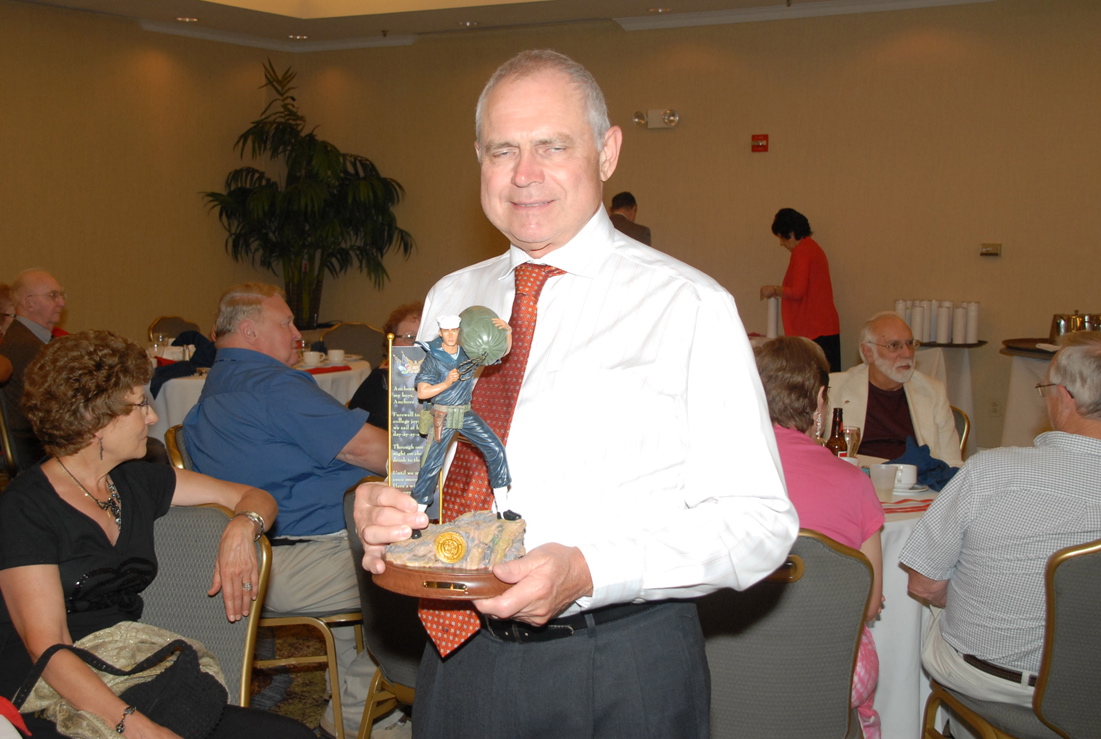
[(792, 224)]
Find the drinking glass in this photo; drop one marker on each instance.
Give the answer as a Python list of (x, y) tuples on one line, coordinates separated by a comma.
[(852, 439)]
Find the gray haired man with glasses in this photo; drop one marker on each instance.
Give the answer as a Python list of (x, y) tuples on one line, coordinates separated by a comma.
[(890, 400), (978, 554), (39, 300)]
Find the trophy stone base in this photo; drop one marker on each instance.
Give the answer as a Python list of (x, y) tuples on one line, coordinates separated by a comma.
[(455, 559)]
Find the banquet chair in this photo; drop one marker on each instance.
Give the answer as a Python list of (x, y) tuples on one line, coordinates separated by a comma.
[(7, 446), (392, 632), (357, 338), (963, 425), (186, 543), (782, 652), (177, 448), (1065, 703), (171, 326), (321, 622)]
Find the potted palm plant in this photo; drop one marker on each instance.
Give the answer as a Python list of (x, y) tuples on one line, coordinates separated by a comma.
[(320, 212)]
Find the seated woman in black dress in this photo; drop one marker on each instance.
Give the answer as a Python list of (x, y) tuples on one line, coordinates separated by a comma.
[(76, 532)]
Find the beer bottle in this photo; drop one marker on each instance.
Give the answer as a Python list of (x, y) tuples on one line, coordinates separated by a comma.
[(836, 443)]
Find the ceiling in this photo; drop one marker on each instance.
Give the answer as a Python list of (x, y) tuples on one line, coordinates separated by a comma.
[(331, 24)]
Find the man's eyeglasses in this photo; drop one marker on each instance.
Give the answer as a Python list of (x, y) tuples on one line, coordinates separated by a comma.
[(896, 346), (407, 337), (144, 405), (1041, 385), (52, 295)]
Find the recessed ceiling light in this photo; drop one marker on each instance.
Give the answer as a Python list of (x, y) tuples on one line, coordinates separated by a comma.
[(297, 37), (660, 10), (468, 24), (185, 19)]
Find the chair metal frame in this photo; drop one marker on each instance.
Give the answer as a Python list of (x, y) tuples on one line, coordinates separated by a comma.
[(7, 446), (963, 420), (1042, 724), (191, 325), (323, 623)]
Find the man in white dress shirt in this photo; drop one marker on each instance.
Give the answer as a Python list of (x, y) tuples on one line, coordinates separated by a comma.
[(636, 487)]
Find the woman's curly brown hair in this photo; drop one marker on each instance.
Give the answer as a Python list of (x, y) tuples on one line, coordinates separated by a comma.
[(792, 370), (78, 383)]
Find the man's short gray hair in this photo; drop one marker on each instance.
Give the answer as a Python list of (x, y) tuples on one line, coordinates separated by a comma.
[(1077, 367), (533, 61), (867, 334), (240, 303)]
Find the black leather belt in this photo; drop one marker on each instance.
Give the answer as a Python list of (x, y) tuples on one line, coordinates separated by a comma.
[(992, 669), (559, 628)]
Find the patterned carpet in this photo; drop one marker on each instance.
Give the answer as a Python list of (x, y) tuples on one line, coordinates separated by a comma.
[(306, 696)]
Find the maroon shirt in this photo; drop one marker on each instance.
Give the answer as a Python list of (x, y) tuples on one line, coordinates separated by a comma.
[(886, 424)]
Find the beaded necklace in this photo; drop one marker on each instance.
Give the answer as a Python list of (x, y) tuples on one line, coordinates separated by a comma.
[(112, 505)]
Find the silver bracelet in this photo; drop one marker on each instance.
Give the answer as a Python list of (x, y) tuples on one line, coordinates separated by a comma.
[(256, 518), (121, 725)]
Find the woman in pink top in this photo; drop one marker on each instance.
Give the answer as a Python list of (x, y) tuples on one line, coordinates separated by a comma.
[(831, 496)]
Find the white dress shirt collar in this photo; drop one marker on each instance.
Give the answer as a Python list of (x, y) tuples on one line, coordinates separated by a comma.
[(582, 255)]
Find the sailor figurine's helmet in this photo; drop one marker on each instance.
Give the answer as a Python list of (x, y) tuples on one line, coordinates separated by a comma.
[(482, 340)]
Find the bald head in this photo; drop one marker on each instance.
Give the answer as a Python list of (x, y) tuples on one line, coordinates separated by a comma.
[(38, 297)]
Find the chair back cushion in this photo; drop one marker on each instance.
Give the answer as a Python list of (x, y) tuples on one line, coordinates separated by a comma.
[(171, 326), (1067, 696), (782, 653), (357, 338), (186, 544)]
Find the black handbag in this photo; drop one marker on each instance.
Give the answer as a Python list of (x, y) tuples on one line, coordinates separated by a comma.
[(181, 697)]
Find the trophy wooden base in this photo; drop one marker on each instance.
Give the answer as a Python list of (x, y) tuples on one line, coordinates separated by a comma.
[(442, 583)]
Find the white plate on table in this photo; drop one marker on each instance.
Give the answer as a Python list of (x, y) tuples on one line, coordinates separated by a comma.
[(352, 357), (914, 489)]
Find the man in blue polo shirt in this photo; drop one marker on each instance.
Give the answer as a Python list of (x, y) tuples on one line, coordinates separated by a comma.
[(263, 423)]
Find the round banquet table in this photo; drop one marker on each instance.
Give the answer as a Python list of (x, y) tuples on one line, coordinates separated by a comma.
[(177, 396), (903, 684)]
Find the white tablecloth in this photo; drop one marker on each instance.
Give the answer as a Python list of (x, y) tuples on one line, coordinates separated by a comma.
[(177, 396), (903, 685), (1025, 412)]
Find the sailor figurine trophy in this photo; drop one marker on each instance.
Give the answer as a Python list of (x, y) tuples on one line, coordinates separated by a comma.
[(453, 559)]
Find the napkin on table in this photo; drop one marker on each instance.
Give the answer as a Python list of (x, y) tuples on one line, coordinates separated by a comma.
[(930, 471), (203, 357), (324, 370)]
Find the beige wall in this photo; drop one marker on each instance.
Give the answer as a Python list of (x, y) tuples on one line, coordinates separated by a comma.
[(908, 138)]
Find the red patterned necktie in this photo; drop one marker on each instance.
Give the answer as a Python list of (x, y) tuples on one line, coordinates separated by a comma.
[(450, 623)]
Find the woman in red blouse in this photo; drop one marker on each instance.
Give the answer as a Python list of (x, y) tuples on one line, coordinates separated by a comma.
[(807, 307)]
